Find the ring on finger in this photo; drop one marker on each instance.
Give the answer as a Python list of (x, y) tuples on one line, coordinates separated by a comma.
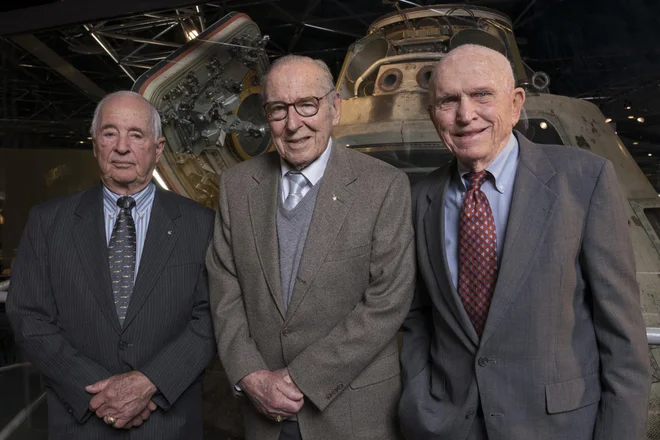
[(278, 419), (109, 420)]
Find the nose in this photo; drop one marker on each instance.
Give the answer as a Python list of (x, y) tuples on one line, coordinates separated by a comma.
[(465, 111), (293, 120), (123, 143)]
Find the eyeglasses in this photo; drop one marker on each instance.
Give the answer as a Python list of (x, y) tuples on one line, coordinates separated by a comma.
[(305, 107)]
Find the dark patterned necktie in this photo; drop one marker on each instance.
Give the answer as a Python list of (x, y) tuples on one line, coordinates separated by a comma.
[(477, 253), (121, 255)]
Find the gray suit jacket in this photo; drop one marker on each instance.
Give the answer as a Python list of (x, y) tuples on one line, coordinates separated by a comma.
[(353, 290), (61, 308), (564, 352)]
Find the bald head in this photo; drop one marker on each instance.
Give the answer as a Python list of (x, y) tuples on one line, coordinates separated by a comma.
[(474, 104), (479, 58)]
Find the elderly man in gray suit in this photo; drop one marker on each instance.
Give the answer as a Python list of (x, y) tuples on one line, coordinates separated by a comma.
[(526, 323), (311, 272), (109, 293)]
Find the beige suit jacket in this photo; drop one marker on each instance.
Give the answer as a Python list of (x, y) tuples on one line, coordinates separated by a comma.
[(353, 290)]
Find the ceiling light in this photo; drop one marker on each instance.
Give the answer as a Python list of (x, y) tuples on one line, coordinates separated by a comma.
[(635, 143), (189, 29), (650, 154), (640, 120), (631, 117), (543, 125), (608, 120), (628, 107), (192, 34)]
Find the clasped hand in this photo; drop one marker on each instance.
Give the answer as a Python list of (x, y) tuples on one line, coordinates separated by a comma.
[(126, 398), (273, 393)]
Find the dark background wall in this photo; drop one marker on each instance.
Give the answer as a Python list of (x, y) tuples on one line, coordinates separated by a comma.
[(29, 177)]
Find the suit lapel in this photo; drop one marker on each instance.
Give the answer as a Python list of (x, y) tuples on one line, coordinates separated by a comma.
[(434, 230), (530, 214), (262, 201), (333, 203), (162, 234), (91, 244)]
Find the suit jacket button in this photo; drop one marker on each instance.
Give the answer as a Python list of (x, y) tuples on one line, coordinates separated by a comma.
[(123, 345), (482, 361), (286, 332)]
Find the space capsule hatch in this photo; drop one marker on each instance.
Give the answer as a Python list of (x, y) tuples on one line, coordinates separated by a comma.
[(207, 93)]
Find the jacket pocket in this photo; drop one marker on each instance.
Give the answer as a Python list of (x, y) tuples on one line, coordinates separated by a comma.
[(344, 254), (437, 384), (572, 394), (379, 370)]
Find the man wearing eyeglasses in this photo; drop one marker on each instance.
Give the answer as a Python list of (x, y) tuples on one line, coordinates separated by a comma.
[(311, 272)]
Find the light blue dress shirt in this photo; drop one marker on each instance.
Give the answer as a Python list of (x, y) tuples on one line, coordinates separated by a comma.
[(141, 213), (499, 191)]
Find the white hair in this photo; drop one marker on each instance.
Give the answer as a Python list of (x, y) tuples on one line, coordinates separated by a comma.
[(326, 76), (154, 116)]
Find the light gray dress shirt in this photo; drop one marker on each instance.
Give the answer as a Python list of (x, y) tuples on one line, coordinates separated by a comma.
[(313, 172)]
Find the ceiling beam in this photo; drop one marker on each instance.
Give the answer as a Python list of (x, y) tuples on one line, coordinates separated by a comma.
[(69, 12), (49, 57)]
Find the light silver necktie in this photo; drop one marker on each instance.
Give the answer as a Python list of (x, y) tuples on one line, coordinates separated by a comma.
[(296, 184)]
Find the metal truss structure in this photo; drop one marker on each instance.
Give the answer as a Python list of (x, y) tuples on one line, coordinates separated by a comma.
[(51, 79)]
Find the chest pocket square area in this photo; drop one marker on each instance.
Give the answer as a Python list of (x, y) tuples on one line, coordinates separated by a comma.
[(345, 254)]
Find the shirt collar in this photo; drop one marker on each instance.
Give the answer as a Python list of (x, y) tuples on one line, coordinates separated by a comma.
[(501, 168), (110, 198), (314, 171)]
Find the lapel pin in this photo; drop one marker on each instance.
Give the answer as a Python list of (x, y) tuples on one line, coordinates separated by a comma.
[(334, 197), (169, 232)]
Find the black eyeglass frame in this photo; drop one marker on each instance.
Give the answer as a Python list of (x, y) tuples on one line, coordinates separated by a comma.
[(293, 104)]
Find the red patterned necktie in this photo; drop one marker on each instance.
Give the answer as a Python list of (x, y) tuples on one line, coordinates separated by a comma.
[(477, 253)]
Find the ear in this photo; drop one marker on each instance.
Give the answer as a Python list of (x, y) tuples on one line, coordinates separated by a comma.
[(518, 102), (94, 147), (336, 109), (160, 145)]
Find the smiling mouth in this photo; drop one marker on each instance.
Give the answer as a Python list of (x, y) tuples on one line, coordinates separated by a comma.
[(472, 133), (297, 141)]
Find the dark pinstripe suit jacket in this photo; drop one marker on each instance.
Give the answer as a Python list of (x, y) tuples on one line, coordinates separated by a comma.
[(61, 308)]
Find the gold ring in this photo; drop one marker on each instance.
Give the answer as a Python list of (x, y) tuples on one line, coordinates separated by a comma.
[(109, 420), (278, 419)]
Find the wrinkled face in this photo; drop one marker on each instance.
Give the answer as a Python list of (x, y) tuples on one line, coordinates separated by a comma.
[(124, 145), (300, 140), (475, 107)]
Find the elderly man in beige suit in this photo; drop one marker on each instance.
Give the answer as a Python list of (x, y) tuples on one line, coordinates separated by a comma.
[(312, 272)]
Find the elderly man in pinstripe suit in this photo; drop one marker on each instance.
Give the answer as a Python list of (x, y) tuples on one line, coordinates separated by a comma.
[(109, 292)]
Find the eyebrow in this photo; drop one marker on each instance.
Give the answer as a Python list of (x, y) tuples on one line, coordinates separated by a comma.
[(105, 126)]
